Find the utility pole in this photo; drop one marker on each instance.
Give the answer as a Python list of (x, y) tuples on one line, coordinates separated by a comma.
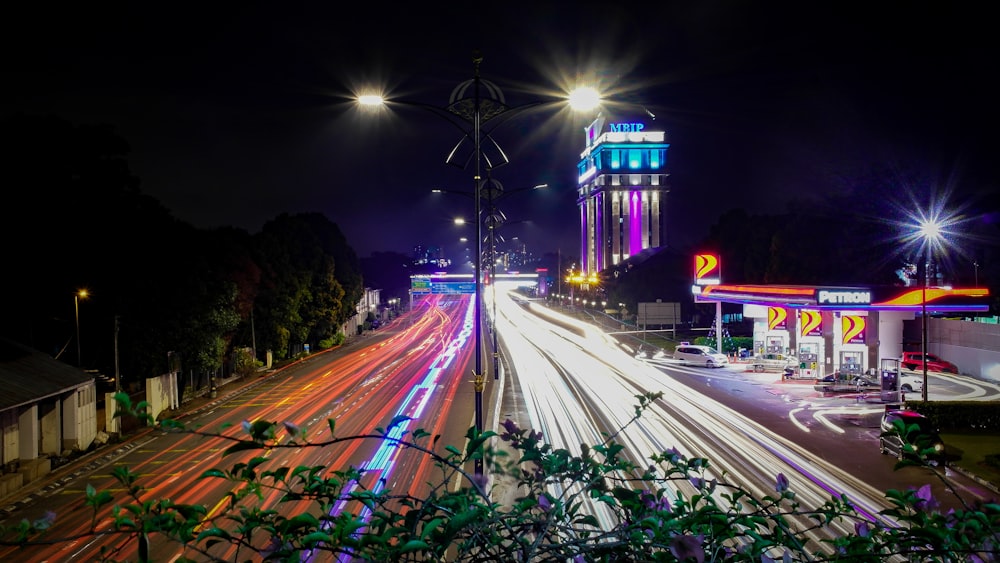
[(118, 381), (253, 336)]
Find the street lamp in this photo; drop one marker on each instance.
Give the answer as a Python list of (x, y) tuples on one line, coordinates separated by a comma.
[(485, 104), (80, 294), (495, 218), (930, 233)]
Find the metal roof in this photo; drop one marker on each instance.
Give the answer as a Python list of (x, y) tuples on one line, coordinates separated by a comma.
[(27, 375)]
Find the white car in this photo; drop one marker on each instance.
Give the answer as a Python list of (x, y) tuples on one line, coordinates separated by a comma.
[(693, 354), (911, 383)]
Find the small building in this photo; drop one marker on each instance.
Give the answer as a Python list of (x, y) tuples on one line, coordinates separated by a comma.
[(47, 407)]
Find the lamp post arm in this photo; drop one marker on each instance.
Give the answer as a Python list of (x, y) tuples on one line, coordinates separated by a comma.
[(479, 134)]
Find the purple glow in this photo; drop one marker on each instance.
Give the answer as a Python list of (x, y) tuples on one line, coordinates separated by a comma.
[(634, 224), (379, 467), (599, 232)]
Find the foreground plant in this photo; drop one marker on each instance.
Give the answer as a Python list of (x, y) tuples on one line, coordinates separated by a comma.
[(596, 506)]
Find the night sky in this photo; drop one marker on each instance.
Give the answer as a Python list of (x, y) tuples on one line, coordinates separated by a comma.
[(237, 112)]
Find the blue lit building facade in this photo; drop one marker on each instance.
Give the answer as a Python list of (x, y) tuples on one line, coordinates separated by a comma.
[(622, 187)]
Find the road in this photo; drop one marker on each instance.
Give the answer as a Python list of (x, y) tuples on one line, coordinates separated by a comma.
[(578, 386), (573, 382), (418, 368)]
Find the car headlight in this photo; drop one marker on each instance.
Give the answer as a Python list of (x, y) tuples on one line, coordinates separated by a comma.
[(939, 447)]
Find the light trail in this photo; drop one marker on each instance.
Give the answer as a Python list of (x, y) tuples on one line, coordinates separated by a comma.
[(382, 463), (597, 381)]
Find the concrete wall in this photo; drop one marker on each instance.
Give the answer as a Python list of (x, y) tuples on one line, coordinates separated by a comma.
[(10, 483), (162, 393), (50, 426), (112, 423), (890, 333), (27, 435), (973, 347), (79, 409), (9, 429)]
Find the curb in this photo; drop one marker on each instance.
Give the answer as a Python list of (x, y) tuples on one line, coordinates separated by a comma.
[(988, 484)]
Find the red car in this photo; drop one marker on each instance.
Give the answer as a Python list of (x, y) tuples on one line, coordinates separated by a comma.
[(913, 361)]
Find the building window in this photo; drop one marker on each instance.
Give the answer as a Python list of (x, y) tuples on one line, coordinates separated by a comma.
[(635, 158)]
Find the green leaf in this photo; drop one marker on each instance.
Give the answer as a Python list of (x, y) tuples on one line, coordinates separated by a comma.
[(304, 519), (430, 526), (124, 401), (214, 533), (414, 545), (396, 421), (314, 538)]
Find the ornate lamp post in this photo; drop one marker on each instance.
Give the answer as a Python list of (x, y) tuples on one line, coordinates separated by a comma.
[(493, 191), (472, 105)]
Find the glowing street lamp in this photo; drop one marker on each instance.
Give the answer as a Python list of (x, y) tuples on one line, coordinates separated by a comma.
[(80, 294)]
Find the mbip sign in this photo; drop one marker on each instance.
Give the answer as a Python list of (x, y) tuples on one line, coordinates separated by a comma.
[(626, 127)]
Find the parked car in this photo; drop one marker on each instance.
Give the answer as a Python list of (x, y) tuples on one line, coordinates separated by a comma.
[(773, 362), (911, 383), (694, 354), (902, 426), (914, 361)]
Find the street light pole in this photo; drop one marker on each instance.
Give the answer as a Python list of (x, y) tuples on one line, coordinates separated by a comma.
[(929, 232), (494, 218), (494, 192), (80, 294), (478, 378), (493, 109), (923, 337)]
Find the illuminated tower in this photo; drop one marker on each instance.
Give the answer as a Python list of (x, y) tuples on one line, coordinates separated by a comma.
[(622, 187)]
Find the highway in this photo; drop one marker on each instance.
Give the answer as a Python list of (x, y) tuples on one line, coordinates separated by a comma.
[(419, 368), (574, 383)]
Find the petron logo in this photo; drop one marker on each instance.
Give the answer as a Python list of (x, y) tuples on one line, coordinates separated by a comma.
[(811, 323), (853, 329), (777, 318), (843, 297), (706, 269), (626, 127)]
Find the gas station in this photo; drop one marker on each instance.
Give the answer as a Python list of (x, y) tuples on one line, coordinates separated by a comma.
[(831, 329)]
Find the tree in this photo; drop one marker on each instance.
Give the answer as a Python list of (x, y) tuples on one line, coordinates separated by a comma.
[(310, 281)]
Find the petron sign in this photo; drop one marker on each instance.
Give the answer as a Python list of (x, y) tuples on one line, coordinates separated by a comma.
[(706, 269), (843, 297)]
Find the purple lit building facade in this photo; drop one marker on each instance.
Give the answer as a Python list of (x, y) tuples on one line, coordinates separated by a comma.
[(622, 187)]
